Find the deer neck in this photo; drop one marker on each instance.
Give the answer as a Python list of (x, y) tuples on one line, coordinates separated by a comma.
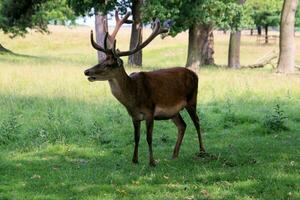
[(123, 88)]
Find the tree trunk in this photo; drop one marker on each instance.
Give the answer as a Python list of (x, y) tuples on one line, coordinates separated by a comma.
[(200, 46), (251, 31), (266, 34), (209, 46), (258, 30), (101, 28), (234, 47), (234, 50), (287, 46), (136, 59)]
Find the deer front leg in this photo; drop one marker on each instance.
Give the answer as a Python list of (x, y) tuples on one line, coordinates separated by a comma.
[(149, 126), (137, 128)]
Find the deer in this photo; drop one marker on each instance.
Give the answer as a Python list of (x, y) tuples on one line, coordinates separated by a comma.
[(148, 96)]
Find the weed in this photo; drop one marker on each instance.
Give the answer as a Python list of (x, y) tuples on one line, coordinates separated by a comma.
[(275, 121), (229, 116), (9, 129), (98, 134)]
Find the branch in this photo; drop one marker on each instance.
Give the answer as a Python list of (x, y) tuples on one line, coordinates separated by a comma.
[(265, 60)]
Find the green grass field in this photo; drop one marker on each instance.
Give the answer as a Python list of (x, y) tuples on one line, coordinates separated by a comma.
[(62, 137)]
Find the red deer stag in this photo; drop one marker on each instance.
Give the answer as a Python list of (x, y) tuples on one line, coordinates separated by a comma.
[(149, 96)]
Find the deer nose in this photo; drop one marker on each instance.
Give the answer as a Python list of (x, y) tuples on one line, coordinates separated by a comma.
[(86, 72)]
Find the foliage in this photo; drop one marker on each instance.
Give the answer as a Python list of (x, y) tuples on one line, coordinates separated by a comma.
[(84, 7), (58, 10), (17, 16), (275, 121), (264, 13), (186, 13), (297, 23)]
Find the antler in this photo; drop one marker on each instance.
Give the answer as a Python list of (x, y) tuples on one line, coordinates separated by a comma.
[(97, 46), (156, 31), (111, 38), (119, 23)]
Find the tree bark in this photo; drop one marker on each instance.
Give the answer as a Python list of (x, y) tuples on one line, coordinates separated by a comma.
[(234, 47), (136, 29), (101, 28), (200, 46), (234, 50), (287, 46), (209, 46)]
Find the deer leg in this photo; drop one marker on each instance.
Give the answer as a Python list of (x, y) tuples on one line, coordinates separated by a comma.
[(179, 122), (193, 114), (149, 126), (137, 127)]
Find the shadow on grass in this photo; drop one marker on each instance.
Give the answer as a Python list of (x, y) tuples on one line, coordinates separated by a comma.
[(73, 155), (5, 51)]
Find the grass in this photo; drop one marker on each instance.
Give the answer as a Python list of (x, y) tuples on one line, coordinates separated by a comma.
[(62, 137)]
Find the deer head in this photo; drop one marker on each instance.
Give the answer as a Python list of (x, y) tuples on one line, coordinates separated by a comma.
[(108, 68)]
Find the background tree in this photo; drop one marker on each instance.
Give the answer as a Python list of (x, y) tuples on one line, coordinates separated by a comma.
[(265, 14), (59, 12), (199, 18), (287, 46)]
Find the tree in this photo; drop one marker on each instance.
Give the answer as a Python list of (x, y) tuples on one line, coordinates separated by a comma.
[(287, 46), (136, 30), (17, 16), (265, 14), (199, 17), (234, 45), (58, 11)]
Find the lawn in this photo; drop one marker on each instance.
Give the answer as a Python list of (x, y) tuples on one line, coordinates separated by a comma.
[(62, 137)]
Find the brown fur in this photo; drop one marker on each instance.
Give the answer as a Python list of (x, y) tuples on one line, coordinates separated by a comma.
[(156, 95)]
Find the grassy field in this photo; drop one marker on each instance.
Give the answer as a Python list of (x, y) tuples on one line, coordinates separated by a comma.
[(62, 137)]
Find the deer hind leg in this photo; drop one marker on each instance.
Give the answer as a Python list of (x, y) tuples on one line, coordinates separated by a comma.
[(137, 128), (191, 108), (179, 122), (149, 127)]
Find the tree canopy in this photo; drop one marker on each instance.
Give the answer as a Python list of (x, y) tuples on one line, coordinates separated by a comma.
[(185, 13), (84, 7), (265, 13), (17, 16)]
